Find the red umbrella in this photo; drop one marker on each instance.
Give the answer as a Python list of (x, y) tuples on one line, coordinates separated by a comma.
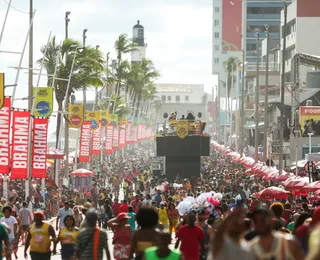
[(272, 193), (54, 154), (295, 183), (313, 186), (81, 173)]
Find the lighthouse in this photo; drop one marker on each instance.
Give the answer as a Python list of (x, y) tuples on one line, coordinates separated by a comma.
[(140, 47)]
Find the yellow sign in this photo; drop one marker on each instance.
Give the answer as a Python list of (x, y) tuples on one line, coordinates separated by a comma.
[(43, 104), (182, 129), (104, 118), (114, 119), (123, 121), (75, 115), (93, 117), (1, 90)]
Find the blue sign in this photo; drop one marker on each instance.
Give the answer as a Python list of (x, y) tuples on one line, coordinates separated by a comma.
[(43, 108), (104, 122), (94, 124)]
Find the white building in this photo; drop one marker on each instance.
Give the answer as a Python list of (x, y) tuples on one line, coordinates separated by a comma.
[(138, 38), (303, 19)]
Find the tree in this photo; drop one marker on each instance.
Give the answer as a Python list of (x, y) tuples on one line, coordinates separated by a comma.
[(229, 66), (141, 80), (88, 66)]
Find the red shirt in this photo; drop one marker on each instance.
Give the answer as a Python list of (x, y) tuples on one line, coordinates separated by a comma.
[(123, 208), (190, 239), (136, 204), (115, 209)]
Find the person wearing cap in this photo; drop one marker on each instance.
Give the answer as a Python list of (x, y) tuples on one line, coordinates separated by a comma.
[(39, 239), (62, 213), (122, 236)]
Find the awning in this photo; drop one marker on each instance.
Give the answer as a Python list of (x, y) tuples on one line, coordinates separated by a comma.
[(54, 154)]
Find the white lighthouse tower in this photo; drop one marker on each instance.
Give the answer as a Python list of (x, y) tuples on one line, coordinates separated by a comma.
[(138, 38)]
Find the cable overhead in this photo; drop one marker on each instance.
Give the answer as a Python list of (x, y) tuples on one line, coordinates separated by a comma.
[(15, 7)]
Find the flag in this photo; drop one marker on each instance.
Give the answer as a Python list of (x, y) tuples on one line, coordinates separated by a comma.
[(114, 119), (128, 133), (5, 119), (182, 129), (85, 142), (122, 136), (75, 115), (104, 118), (96, 141), (108, 141), (2, 90), (20, 144), (115, 139), (43, 104), (93, 117), (39, 147)]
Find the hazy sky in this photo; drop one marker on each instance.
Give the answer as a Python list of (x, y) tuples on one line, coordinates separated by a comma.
[(178, 34)]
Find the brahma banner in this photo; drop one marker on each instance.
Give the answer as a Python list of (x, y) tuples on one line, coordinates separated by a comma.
[(128, 133), (85, 138), (96, 141), (108, 141), (115, 139), (20, 144), (39, 148), (5, 119), (122, 136)]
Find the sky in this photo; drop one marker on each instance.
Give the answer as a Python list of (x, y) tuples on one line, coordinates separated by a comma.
[(177, 32)]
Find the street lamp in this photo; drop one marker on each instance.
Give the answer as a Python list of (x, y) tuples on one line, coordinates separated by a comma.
[(84, 37), (67, 22), (256, 141)]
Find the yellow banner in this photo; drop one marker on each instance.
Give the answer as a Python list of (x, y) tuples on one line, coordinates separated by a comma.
[(75, 115), (114, 119), (182, 129), (104, 118), (93, 117), (1, 90), (43, 104), (123, 121)]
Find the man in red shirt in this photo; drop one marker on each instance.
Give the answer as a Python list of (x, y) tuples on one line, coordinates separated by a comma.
[(123, 207), (191, 237), (115, 207), (136, 204)]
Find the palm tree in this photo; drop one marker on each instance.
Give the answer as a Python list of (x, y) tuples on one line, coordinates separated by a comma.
[(88, 66), (141, 80)]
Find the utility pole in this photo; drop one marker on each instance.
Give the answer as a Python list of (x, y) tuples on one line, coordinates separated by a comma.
[(67, 23), (30, 75), (242, 107), (266, 105), (282, 88), (84, 37), (256, 134)]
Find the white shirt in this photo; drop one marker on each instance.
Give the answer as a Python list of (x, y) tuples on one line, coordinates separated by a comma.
[(10, 223), (30, 206)]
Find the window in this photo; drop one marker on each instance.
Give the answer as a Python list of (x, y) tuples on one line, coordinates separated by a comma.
[(216, 60), (169, 98), (216, 9), (163, 98), (177, 98), (216, 22), (216, 35), (186, 98), (216, 47)]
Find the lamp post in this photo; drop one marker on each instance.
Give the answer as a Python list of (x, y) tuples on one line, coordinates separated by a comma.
[(256, 134), (67, 23), (84, 37), (266, 89), (297, 136), (242, 107)]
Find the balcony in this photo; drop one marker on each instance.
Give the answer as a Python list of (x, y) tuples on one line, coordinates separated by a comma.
[(263, 16), (273, 66), (273, 35)]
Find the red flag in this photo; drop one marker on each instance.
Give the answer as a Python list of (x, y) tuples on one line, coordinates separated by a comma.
[(20, 144), (128, 133), (85, 138), (135, 134), (108, 141), (5, 117), (122, 136), (39, 147), (115, 139), (96, 141)]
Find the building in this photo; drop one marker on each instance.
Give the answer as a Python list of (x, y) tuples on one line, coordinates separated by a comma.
[(181, 98), (138, 38)]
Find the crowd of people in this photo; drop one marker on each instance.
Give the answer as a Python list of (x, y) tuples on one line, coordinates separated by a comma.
[(143, 216)]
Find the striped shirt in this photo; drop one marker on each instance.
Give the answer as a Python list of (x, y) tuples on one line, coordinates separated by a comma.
[(85, 243)]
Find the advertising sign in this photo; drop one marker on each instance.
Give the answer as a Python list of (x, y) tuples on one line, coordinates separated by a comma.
[(85, 142), (306, 114), (75, 115), (5, 118), (114, 119), (43, 101), (93, 117), (96, 141), (104, 118), (108, 141), (231, 25), (1, 90)]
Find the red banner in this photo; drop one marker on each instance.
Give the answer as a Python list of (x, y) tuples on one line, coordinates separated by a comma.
[(20, 144), (128, 133), (122, 136), (85, 138), (135, 134), (108, 141), (39, 147), (115, 139), (5, 117), (96, 141)]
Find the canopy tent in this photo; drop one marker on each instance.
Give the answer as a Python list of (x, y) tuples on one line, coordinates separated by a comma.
[(53, 153)]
